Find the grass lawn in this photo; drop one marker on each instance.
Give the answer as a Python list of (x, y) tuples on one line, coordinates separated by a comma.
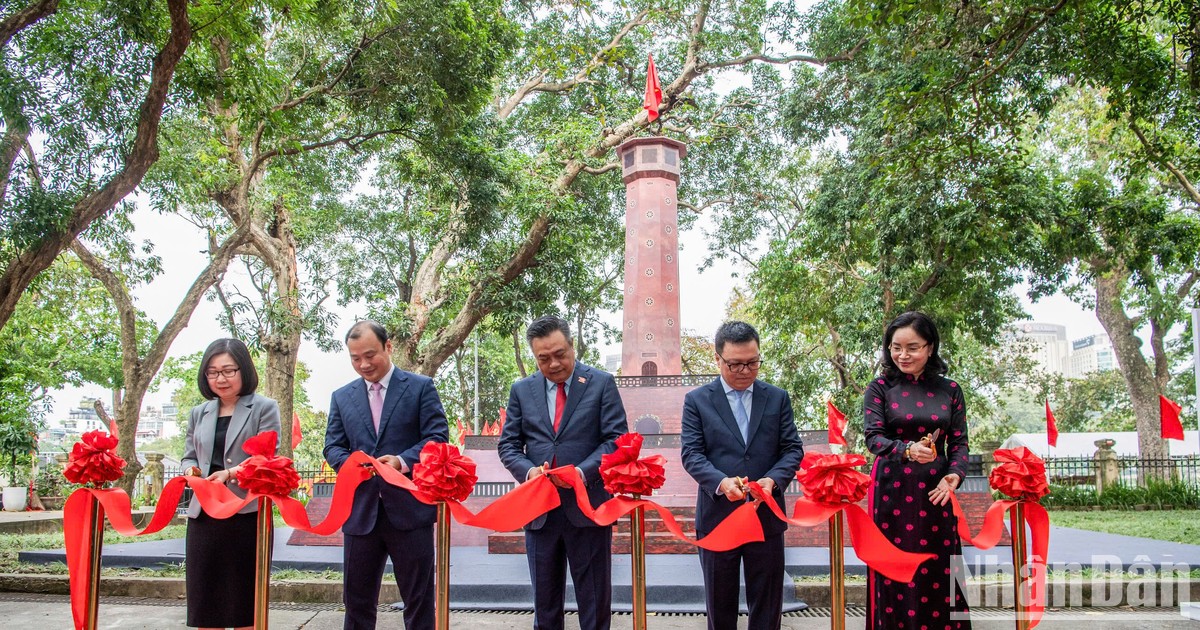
[(1181, 526)]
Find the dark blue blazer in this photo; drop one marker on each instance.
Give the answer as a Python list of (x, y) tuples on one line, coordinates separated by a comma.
[(713, 449), (412, 415), (592, 420)]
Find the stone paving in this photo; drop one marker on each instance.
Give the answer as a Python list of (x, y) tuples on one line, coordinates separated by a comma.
[(53, 611)]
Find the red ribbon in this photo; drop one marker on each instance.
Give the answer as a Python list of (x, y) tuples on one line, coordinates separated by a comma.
[(871, 546), (444, 474), (739, 528), (1023, 474)]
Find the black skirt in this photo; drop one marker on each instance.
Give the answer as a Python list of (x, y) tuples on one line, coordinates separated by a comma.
[(220, 570)]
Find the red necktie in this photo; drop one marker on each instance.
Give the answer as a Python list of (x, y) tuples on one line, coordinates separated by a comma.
[(560, 403)]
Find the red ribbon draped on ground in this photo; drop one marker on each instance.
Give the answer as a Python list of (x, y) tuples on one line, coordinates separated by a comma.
[(1021, 474), (831, 485)]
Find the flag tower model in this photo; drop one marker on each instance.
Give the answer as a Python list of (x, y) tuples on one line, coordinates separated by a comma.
[(651, 339)]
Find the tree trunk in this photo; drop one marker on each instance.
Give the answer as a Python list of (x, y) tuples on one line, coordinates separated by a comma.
[(1139, 379), (282, 342), (280, 384)]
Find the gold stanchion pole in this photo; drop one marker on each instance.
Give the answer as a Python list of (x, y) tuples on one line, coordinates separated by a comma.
[(637, 553), (96, 543), (837, 574), (262, 566), (1019, 546), (443, 567)]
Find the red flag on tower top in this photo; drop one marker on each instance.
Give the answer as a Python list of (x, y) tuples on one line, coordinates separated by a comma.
[(1051, 426), (1168, 411), (653, 96), (837, 424)]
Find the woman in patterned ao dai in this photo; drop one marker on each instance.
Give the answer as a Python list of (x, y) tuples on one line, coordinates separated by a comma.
[(915, 424)]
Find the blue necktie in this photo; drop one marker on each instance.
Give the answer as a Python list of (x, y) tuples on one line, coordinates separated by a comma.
[(739, 414)]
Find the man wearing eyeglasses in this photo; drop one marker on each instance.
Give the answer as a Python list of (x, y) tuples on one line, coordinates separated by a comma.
[(735, 429)]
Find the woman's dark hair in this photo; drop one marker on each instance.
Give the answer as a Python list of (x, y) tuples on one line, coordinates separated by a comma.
[(923, 326), (241, 356)]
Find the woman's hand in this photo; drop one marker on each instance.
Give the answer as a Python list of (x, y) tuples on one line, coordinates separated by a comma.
[(946, 487), (225, 476), (920, 453)]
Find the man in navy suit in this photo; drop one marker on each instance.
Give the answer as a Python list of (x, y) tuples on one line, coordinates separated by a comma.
[(389, 414), (733, 428), (565, 414)]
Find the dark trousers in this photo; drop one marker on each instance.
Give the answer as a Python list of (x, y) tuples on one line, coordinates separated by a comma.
[(763, 565), (588, 551), (366, 556)]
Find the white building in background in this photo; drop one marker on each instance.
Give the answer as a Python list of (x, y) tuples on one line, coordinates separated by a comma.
[(1092, 353), (1049, 344), (80, 420), (158, 422)]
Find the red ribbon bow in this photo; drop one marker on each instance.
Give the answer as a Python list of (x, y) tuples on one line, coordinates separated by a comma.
[(624, 473), (829, 478), (264, 473), (1021, 474), (92, 460), (444, 474)]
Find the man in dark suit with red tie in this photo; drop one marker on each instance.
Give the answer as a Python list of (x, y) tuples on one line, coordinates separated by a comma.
[(389, 414), (567, 413), (735, 428)]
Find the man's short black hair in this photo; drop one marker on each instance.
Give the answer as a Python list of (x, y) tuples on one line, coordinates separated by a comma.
[(361, 327), (734, 332), (241, 356), (545, 326)]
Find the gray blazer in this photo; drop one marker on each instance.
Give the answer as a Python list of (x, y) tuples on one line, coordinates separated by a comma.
[(253, 414)]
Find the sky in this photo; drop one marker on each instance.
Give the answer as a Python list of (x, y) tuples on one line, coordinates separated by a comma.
[(703, 297)]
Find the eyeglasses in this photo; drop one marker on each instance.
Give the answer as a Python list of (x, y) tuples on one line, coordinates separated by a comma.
[(910, 349), (228, 373), (742, 367)]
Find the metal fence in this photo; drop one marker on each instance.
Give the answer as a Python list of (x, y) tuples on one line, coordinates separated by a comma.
[(1133, 471)]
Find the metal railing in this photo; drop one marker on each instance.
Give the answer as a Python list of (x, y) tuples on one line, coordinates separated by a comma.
[(1133, 471)]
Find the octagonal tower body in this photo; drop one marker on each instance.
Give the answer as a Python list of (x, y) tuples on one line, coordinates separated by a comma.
[(651, 339)]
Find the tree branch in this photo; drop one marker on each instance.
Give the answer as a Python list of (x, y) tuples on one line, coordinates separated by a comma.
[(14, 23), (537, 85), (126, 311), (143, 153), (847, 55), (1175, 171), (352, 141), (611, 166)]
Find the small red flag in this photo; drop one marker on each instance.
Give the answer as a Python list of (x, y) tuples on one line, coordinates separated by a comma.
[(653, 96), (1051, 426), (296, 435), (1168, 411), (837, 424)]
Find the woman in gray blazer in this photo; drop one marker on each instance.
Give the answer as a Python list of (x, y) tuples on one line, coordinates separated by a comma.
[(220, 552)]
